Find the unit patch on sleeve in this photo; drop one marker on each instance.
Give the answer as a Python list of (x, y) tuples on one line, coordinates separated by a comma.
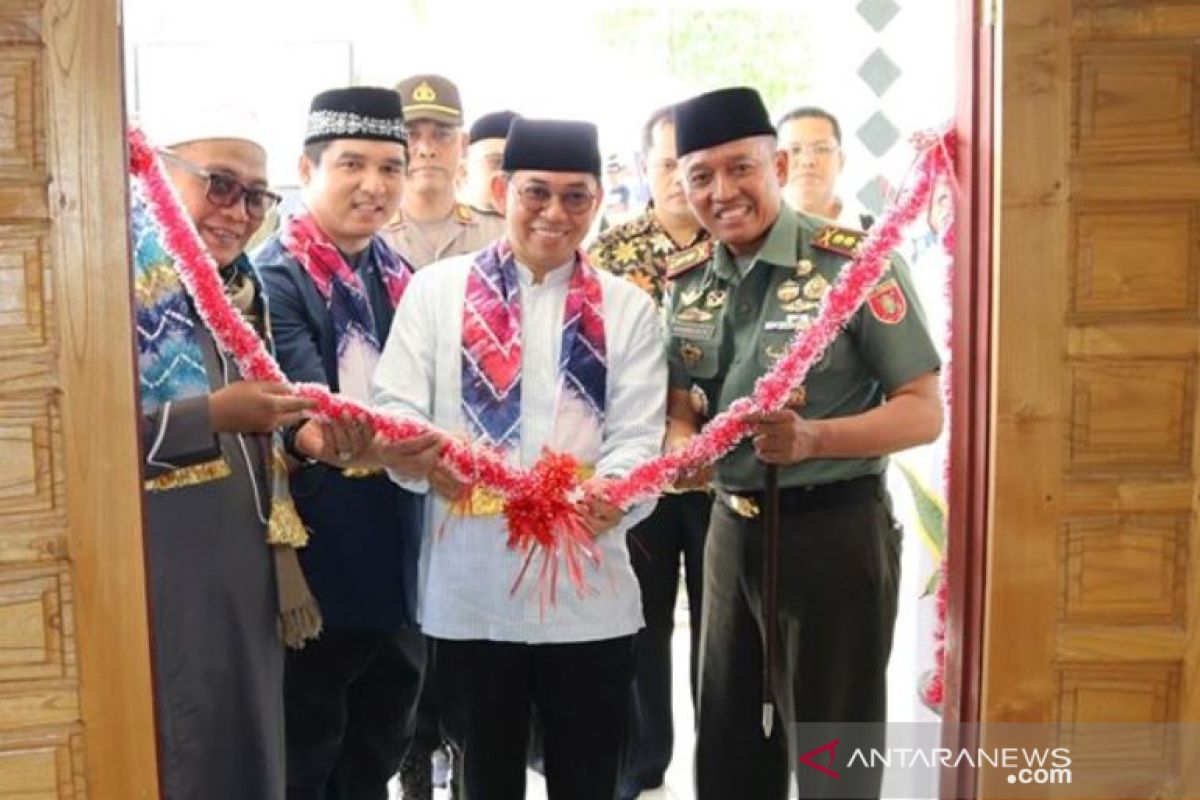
[(887, 302)]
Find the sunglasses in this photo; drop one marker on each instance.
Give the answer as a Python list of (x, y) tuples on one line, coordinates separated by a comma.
[(225, 191), (535, 197)]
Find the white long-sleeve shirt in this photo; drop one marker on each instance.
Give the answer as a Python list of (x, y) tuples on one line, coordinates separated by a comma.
[(467, 570)]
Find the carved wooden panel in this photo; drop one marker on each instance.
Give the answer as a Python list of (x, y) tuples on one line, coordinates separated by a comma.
[(24, 290), (1122, 570), (1129, 417), (1095, 696), (1136, 101), (21, 137), (29, 475), (48, 766), (1132, 259), (35, 611)]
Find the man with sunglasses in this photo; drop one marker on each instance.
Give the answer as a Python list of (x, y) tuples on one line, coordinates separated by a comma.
[(351, 695), (431, 224), (211, 507), (520, 347)]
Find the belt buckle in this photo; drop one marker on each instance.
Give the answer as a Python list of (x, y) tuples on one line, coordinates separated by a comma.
[(742, 506)]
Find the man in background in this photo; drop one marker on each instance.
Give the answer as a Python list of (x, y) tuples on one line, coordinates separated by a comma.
[(641, 251), (812, 139), (431, 224), (485, 154)]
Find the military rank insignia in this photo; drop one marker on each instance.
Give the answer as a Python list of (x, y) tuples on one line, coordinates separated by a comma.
[(887, 302), (843, 241), (685, 260)]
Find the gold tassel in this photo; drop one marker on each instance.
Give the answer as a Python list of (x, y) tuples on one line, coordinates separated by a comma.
[(285, 526), (189, 476), (299, 618)]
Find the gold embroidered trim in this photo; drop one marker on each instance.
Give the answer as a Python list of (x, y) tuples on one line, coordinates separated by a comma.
[(189, 476)]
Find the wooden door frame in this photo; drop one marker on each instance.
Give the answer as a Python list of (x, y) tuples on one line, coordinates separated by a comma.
[(87, 166), (971, 390)]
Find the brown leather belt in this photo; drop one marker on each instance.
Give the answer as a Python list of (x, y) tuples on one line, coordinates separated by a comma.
[(749, 505)]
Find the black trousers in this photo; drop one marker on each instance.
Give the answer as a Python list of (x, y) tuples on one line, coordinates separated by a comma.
[(674, 532), (838, 576), (351, 701), (487, 690)]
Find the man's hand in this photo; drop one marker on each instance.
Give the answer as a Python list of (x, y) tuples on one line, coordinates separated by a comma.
[(699, 478), (412, 459), (599, 515), (255, 407), (448, 487), (341, 443), (782, 437)]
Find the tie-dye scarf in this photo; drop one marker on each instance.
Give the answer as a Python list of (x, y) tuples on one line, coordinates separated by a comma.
[(491, 350), (358, 347)]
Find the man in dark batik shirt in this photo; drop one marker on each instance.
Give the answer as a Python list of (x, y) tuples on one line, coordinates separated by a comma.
[(643, 251)]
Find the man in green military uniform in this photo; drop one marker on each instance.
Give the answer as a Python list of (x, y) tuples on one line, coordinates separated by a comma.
[(825, 612), (642, 251)]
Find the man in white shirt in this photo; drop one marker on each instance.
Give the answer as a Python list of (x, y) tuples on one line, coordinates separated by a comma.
[(524, 346)]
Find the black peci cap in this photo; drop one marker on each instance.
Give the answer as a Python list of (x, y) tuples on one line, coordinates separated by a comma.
[(355, 112), (552, 146), (714, 118)]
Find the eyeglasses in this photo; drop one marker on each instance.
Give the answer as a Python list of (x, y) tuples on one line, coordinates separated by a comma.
[(534, 198), (818, 149), (225, 191)]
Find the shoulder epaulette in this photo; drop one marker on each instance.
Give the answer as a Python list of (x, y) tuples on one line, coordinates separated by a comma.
[(835, 239), (685, 260)]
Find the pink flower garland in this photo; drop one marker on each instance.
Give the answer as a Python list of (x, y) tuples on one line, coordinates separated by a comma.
[(529, 508)]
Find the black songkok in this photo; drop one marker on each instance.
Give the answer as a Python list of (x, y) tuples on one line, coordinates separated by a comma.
[(356, 112), (552, 146), (492, 126), (714, 118)]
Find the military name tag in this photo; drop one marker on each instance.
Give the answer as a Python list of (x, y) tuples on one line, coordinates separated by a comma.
[(694, 330)]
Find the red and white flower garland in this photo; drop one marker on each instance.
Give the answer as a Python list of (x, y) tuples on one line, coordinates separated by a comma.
[(540, 521)]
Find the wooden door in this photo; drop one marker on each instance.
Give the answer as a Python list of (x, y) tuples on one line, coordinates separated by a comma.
[(76, 719), (1092, 587)]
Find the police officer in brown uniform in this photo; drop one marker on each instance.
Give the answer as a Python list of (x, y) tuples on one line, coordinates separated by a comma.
[(797, 627), (432, 224), (642, 250)]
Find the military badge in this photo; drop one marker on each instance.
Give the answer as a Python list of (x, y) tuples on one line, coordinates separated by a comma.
[(690, 295), (816, 287), (887, 303), (788, 291), (716, 298), (799, 306), (804, 268), (843, 241), (775, 353), (698, 400), (690, 353), (694, 314), (797, 399)]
